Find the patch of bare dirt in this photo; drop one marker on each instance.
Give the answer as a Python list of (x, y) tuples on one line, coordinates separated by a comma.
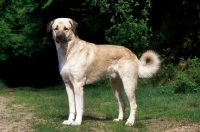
[(164, 125), (13, 117)]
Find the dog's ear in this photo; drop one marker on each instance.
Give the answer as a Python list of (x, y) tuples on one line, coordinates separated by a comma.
[(49, 26), (74, 26)]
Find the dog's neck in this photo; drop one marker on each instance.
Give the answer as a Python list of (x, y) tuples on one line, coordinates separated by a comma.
[(64, 49)]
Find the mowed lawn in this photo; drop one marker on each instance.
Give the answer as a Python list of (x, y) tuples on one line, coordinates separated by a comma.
[(49, 108)]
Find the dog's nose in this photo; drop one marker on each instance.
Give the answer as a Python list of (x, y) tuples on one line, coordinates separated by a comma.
[(59, 35)]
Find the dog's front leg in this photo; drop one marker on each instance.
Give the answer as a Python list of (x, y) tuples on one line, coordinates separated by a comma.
[(72, 109), (78, 89)]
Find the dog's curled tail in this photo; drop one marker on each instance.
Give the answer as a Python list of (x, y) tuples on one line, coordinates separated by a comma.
[(148, 65)]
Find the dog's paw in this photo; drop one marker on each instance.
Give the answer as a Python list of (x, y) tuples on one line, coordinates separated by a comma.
[(68, 122), (129, 123), (76, 123), (117, 120)]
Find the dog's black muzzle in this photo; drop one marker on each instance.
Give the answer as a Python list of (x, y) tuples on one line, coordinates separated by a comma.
[(60, 37)]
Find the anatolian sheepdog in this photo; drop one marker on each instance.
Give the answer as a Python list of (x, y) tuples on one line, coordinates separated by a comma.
[(81, 63)]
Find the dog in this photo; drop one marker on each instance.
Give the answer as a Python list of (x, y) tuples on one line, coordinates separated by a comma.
[(81, 63)]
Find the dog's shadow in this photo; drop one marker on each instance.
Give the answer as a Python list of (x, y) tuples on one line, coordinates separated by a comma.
[(88, 117), (96, 118)]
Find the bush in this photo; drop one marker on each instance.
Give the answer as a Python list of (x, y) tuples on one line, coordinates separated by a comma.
[(21, 26), (128, 23), (183, 84), (186, 79)]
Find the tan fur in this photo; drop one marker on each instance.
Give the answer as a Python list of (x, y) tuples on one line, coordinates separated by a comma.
[(81, 63)]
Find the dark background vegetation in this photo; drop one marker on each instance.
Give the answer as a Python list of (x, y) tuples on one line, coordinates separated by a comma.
[(170, 27)]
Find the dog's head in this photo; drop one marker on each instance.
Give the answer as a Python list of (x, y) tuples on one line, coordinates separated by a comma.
[(63, 29)]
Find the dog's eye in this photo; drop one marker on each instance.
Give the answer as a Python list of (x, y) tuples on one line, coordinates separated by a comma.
[(56, 28), (66, 28)]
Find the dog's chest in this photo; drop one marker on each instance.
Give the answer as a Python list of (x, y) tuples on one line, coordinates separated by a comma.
[(70, 70), (65, 72)]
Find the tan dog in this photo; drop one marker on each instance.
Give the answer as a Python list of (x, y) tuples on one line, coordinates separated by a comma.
[(81, 63)]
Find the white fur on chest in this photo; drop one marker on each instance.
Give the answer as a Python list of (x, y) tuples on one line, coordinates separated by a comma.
[(61, 56), (71, 66)]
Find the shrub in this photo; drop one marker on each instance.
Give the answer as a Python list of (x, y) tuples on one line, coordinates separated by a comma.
[(183, 84), (186, 79), (129, 23)]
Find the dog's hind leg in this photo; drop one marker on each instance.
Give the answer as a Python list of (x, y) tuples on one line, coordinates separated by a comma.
[(128, 74), (129, 86), (71, 100), (117, 87)]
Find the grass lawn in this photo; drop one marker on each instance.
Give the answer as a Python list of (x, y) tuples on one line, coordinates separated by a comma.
[(50, 108)]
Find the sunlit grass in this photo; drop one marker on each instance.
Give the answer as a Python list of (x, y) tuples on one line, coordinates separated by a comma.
[(50, 108)]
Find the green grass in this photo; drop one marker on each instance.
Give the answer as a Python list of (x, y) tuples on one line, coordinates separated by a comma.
[(50, 108)]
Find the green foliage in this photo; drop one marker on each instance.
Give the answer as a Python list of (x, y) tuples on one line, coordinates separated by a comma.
[(186, 78), (177, 27), (5, 34), (183, 84), (2, 85), (20, 26), (126, 28), (167, 73), (127, 23)]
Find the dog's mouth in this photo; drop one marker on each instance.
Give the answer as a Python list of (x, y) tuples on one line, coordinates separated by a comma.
[(60, 37)]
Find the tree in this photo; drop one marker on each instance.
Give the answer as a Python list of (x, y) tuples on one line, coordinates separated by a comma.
[(23, 37), (176, 26), (21, 27), (126, 27)]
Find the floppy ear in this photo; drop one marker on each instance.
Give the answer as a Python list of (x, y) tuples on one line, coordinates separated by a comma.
[(49, 26), (74, 26)]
